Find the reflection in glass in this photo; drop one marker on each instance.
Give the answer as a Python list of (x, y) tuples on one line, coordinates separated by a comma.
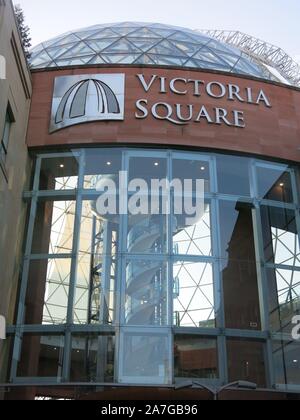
[(286, 358), (147, 168), (238, 266), (189, 169), (59, 173), (193, 295), (54, 227), (145, 358), (281, 236), (195, 357), (48, 291), (147, 234), (229, 183), (246, 361), (146, 297), (195, 239), (97, 268), (274, 184), (101, 164), (92, 358), (284, 298), (45, 354)]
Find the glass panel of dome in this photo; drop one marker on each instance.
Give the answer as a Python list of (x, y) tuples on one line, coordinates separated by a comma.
[(195, 357), (56, 52), (121, 46), (163, 32), (182, 36), (124, 31), (193, 295), (105, 33), (75, 61), (120, 58), (87, 34), (211, 65), (67, 40), (187, 48), (229, 58), (144, 59), (101, 44), (145, 33), (284, 298), (167, 60), (191, 63), (41, 58), (143, 44), (78, 50), (166, 48), (207, 55), (220, 46), (280, 236), (146, 293), (55, 40), (97, 60)]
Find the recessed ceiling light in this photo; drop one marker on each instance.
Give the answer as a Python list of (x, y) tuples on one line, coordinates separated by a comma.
[(203, 168), (281, 184), (156, 164), (61, 166), (295, 361), (108, 163)]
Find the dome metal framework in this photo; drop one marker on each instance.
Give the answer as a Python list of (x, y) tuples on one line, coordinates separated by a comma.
[(143, 44)]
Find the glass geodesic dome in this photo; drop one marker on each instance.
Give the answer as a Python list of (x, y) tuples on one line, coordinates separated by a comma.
[(142, 43)]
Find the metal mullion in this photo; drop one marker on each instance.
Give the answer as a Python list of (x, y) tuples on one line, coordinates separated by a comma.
[(282, 267), (278, 204), (25, 274), (246, 334), (58, 195), (37, 257), (264, 294), (218, 280), (58, 155), (73, 273), (201, 332), (194, 259)]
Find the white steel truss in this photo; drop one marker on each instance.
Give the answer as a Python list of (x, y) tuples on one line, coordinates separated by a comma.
[(260, 51)]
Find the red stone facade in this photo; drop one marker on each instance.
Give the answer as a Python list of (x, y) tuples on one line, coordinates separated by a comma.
[(271, 132)]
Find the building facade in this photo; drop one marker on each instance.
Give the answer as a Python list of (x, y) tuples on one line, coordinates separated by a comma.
[(15, 94), (140, 302)]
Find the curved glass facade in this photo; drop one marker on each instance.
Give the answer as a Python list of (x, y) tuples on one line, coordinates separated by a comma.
[(143, 43), (150, 298)]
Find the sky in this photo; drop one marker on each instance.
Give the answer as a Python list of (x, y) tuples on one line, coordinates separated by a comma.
[(274, 21)]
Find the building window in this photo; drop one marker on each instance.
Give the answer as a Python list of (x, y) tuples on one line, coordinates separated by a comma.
[(9, 120), (153, 298)]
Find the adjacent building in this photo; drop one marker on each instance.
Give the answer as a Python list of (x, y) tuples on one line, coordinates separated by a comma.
[(15, 95)]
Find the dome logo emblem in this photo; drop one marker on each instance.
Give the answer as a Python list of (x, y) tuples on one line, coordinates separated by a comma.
[(87, 98)]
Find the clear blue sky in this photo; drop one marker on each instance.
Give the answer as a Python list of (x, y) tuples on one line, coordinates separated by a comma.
[(275, 21)]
